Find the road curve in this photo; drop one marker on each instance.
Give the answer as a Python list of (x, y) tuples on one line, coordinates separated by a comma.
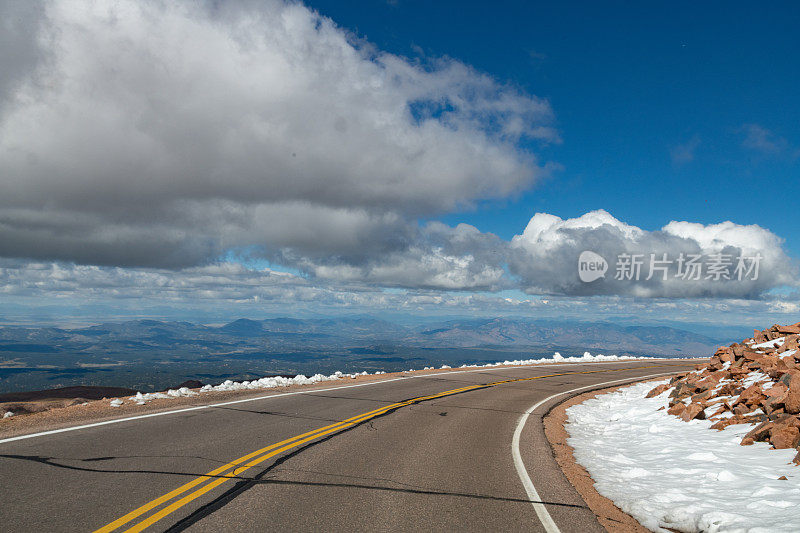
[(429, 453)]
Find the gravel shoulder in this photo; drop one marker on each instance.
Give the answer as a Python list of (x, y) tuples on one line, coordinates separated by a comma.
[(47, 415), (608, 514), (52, 414)]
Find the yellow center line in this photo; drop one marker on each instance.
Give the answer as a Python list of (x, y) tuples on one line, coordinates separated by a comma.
[(216, 472), (218, 475)]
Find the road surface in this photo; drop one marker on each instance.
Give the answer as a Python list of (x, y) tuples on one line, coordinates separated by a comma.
[(423, 453)]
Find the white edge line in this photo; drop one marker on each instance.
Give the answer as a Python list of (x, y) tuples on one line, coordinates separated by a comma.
[(540, 508), (281, 394)]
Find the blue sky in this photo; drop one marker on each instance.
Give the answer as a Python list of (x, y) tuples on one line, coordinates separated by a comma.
[(214, 160), (630, 84)]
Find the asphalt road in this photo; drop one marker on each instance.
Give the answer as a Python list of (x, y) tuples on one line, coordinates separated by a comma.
[(380, 457)]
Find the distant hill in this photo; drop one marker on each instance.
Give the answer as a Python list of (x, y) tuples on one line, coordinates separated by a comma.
[(147, 354), (282, 333), (659, 340)]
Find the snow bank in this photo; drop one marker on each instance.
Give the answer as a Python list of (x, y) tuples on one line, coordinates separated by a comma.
[(228, 385), (768, 344), (558, 358), (142, 399), (667, 473), (279, 381)]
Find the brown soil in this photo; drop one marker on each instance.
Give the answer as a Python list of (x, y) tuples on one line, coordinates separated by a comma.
[(609, 515), (87, 393)]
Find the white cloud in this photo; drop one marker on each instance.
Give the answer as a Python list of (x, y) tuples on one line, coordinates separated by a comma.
[(157, 134), (32, 292), (762, 140), (716, 237), (545, 232), (684, 153), (437, 257), (545, 257), (162, 133)]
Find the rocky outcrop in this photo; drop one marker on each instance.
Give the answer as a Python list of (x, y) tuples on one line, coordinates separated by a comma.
[(753, 382)]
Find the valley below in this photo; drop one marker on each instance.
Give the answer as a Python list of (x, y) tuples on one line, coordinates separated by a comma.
[(150, 355)]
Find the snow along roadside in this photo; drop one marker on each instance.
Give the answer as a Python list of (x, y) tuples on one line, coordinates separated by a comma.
[(278, 381), (667, 473)]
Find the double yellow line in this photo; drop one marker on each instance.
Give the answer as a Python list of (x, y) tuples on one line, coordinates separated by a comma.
[(235, 468)]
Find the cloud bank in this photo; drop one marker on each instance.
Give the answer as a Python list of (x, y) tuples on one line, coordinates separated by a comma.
[(140, 141), (155, 133), (545, 257)]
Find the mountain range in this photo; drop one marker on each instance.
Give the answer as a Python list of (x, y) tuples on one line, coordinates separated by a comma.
[(152, 353)]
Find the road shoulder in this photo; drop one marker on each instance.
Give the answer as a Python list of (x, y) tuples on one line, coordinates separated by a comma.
[(608, 514)]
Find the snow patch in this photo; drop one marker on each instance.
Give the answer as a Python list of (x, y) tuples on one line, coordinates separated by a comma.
[(678, 475), (274, 382), (753, 378), (558, 358), (769, 344)]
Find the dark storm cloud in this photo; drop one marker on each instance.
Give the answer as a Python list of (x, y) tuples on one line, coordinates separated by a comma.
[(163, 133)]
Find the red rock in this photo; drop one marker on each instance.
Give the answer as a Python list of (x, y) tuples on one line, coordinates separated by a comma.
[(784, 437), (752, 395), (768, 361), (722, 424), (782, 478), (792, 342), (785, 364), (792, 402), (676, 409), (779, 389), (692, 411), (777, 412), (774, 403), (751, 355), (726, 355), (736, 367), (760, 432), (658, 390), (738, 349), (718, 412), (711, 380), (700, 397)]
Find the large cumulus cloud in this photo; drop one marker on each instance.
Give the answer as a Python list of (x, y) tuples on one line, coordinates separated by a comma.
[(545, 257), (161, 133), (165, 134)]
